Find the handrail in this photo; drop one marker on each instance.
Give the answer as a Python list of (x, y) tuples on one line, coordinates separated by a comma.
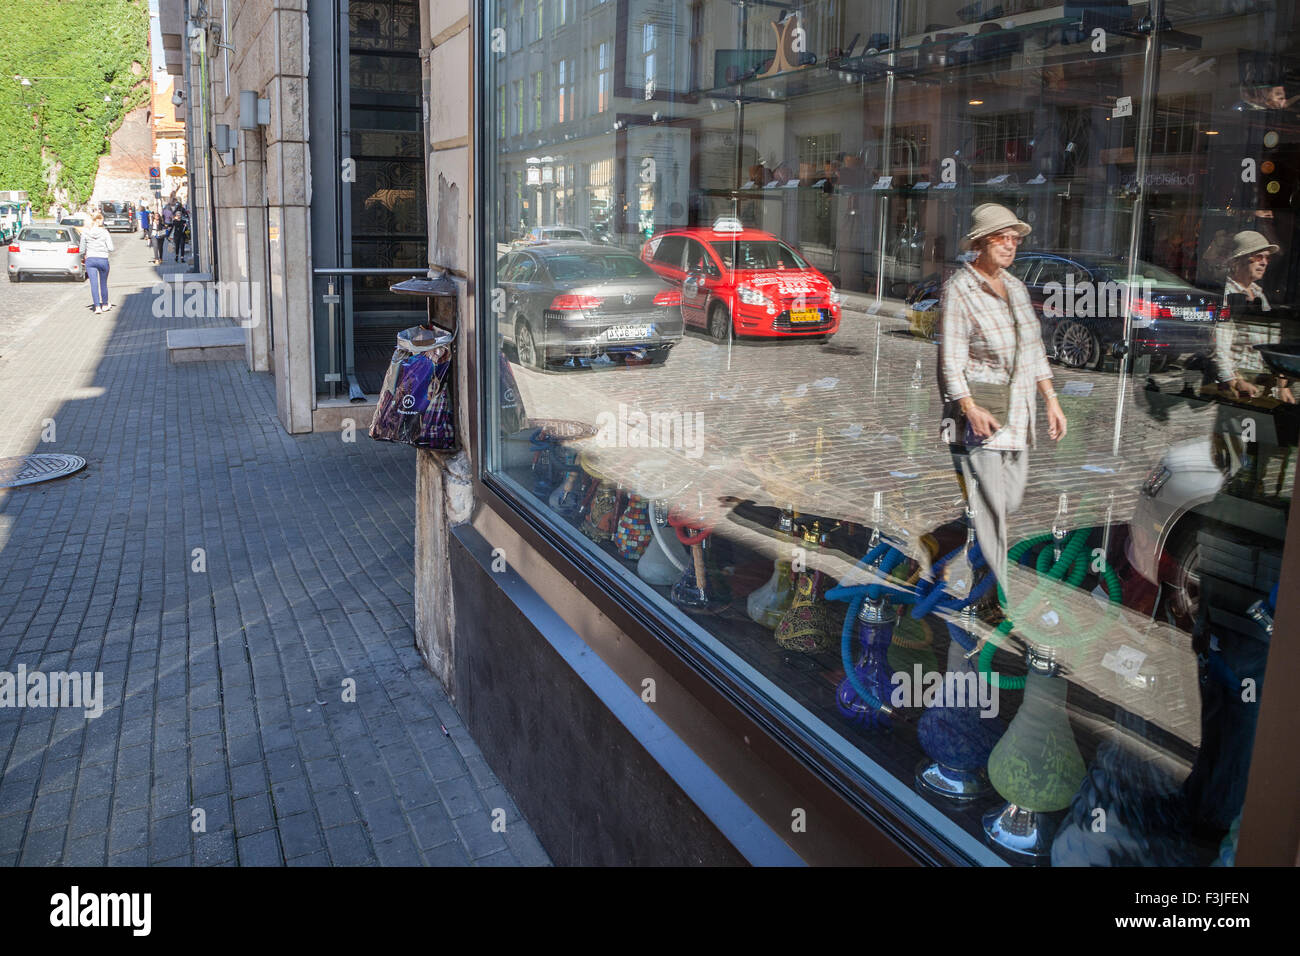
[(328, 271)]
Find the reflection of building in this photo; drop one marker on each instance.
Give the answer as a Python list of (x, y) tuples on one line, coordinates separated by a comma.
[(865, 145), (304, 171)]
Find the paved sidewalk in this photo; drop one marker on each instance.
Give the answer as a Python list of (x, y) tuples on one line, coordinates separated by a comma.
[(226, 680)]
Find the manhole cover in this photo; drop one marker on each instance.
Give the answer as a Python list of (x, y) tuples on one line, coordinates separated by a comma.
[(29, 469)]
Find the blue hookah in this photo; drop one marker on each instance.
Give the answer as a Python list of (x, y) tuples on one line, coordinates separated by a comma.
[(957, 740), (867, 684)]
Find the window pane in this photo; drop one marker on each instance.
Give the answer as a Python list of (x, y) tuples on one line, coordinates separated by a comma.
[(980, 208)]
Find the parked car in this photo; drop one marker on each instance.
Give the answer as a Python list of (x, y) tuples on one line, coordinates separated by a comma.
[(577, 300), (76, 222), (1221, 492), (734, 279), (1079, 298), (550, 234), (46, 250), (120, 216)]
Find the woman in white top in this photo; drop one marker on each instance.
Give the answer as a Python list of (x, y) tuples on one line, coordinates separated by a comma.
[(96, 244)]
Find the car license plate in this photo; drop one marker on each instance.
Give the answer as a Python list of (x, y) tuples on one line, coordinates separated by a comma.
[(805, 315), (623, 333), (1190, 314)]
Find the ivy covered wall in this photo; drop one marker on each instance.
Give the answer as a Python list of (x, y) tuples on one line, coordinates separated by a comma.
[(75, 53)]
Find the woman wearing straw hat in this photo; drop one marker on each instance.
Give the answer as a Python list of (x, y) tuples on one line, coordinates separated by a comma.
[(992, 360), (1237, 366)]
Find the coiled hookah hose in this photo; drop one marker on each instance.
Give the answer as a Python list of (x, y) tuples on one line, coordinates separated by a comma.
[(1071, 567)]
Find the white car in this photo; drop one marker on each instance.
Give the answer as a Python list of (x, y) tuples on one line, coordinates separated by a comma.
[(46, 250)]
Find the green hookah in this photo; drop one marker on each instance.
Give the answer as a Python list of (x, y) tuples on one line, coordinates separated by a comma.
[(1036, 766)]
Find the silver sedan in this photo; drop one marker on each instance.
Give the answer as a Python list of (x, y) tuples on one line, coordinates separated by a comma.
[(46, 250)]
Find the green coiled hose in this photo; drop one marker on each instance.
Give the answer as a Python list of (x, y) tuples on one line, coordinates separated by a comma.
[(1072, 567)]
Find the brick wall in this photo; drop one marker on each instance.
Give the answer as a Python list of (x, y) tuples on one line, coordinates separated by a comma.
[(124, 172)]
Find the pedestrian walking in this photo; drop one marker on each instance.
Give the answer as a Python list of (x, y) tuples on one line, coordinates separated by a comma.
[(167, 212), (157, 233), (992, 360), (142, 209), (96, 244), (180, 233)]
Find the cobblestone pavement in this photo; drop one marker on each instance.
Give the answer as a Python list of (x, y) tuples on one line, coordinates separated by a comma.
[(227, 671)]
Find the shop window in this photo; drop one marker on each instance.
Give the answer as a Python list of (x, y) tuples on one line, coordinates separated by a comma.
[(745, 390)]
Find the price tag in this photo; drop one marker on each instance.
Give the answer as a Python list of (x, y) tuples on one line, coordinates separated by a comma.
[(1123, 107), (1126, 662), (884, 182)]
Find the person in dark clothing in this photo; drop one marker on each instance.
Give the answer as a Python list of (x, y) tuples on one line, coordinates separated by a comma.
[(158, 235), (180, 226)]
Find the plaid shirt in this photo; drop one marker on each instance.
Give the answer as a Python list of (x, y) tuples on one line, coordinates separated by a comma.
[(980, 345), (1233, 339)]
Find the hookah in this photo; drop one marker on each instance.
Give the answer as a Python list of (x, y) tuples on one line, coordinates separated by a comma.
[(664, 558), (632, 533), (693, 590), (867, 684), (956, 738), (806, 626), (544, 447), (570, 497), (600, 514), (769, 603), (1036, 766)]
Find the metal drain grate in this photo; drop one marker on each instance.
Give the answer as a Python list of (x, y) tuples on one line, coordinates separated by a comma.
[(29, 469)]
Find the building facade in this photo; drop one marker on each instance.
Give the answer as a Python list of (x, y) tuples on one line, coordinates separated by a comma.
[(719, 593), (306, 182)]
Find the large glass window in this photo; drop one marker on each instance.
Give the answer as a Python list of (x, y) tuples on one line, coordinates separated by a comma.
[(929, 371)]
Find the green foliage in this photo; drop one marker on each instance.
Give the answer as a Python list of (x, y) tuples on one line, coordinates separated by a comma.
[(75, 52)]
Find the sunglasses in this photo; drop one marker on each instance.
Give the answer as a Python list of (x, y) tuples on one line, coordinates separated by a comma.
[(1007, 239)]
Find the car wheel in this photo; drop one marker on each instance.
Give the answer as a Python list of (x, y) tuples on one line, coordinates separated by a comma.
[(1185, 578), (525, 346), (1075, 345), (719, 322)]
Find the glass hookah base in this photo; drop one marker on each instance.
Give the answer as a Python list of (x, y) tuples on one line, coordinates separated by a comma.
[(934, 778), (1026, 834)]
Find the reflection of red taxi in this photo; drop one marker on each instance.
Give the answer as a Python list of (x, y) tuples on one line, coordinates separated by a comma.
[(746, 279)]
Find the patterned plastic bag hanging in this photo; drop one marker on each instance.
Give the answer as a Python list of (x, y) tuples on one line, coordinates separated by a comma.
[(415, 403)]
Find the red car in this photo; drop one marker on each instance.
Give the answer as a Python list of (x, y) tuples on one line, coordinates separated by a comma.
[(746, 280)]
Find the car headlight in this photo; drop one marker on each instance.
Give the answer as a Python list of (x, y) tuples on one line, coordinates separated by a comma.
[(751, 296), (836, 298), (1156, 480)]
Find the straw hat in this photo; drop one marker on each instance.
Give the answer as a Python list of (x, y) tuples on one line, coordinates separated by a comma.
[(1249, 242), (989, 218)]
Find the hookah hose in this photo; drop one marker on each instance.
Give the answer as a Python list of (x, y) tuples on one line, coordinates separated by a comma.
[(889, 558), (691, 533), (934, 597), (1071, 567), (652, 509)]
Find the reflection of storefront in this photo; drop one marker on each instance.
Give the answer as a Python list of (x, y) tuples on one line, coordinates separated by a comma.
[(751, 527)]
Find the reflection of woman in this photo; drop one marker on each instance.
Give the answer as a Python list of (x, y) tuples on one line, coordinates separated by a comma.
[(1236, 364), (992, 360)]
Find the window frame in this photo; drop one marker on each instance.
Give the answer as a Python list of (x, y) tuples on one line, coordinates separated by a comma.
[(897, 830)]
